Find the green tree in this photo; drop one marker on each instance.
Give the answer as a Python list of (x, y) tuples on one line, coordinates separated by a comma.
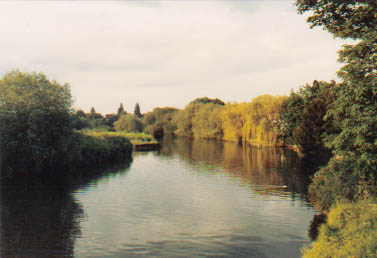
[(303, 116), (200, 118), (207, 122), (120, 110), (92, 112), (79, 120), (355, 107), (184, 119), (109, 121), (137, 110), (206, 100), (160, 121), (35, 121), (129, 123)]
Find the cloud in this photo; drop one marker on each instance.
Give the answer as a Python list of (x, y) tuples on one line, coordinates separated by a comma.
[(165, 53)]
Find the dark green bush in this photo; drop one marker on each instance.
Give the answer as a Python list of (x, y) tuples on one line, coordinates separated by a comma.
[(342, 179), (94, 151)]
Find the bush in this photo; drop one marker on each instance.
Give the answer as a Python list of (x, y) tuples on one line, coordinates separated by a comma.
[(94, 150), (350, 231), (343, 179)]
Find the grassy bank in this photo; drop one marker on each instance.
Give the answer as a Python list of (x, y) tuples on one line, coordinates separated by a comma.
[(140, 141)]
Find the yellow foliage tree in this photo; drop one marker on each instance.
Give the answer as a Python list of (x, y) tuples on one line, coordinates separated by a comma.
[(255, 122)]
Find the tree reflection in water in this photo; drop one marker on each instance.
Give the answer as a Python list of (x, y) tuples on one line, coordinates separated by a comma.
[(40, 212), (268, 170)]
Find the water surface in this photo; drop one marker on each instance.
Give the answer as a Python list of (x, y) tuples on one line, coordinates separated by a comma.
[(191, 199)]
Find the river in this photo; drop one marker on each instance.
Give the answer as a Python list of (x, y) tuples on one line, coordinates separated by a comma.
[(190, 199)]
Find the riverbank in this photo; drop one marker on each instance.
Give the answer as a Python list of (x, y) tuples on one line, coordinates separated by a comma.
[(139, 141), (83, 152)]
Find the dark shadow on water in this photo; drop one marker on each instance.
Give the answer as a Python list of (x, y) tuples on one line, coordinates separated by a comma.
[(316, 223), (39, 217)]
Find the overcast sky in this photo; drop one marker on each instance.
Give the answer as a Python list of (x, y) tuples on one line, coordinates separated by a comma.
[(165, 53)]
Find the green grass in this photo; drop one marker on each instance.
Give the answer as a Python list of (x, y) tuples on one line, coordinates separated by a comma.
[(135, 138)]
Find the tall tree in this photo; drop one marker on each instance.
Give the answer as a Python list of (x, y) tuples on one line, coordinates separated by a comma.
[(303, 117), (137, 110), (35, 120), (92, 113), (355, 107), (120, 109)]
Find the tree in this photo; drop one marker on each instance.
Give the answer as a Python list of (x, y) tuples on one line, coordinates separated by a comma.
[(207, 122), (343, 18), (137, 110), (206, 100), (129, 123), (160, 122), (120, 109), (355, 107), (303, 116), (92, 112), (79, 120), (35, 121)]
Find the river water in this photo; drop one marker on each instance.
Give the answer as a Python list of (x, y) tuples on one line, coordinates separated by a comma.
[(190, 199)]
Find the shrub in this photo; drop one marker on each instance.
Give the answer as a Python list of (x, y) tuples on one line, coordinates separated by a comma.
[(350, 231), (93, 150), (343, 179)]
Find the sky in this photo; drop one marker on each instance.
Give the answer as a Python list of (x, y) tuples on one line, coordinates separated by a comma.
[(165, 53)]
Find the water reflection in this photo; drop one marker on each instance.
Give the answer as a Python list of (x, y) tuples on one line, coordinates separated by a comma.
[(269, 171), (191, 199), (39, 216)]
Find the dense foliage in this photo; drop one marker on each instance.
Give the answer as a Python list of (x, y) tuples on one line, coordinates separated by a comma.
[(94, 120), (351, 174), (200, 120), (129, 123), (160, 121), (350, 231), (303, 117), (342, 179), (254, 123), (35, 121), (37, 129), (355, 106), (206, 100), (95, 150)]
